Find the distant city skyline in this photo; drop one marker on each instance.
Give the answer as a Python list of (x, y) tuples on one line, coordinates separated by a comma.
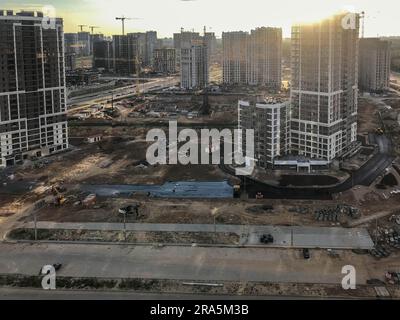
[(168, 16)]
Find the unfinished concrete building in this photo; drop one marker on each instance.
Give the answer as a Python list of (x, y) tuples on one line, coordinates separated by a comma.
[(265, 57), (211, 42), (125, 54), (84, 43), (182, 39), (374, 69), (145, 43), (151, 44), (270, 120), (164, 60), (324, 88), (253, 59), (102, 55), (33, 119), (71, 43), (234, 63), (194, 66)]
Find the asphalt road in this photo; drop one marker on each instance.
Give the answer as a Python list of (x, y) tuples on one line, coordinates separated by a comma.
[(364, 176), (39, 294), (185, 263), (123, 92), (286, 237)]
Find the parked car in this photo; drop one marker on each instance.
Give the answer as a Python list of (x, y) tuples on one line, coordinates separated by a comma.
[(306, 253), (56, 267), (267, 238)]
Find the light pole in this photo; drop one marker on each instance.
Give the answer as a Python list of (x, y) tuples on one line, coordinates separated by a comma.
[(36, 207), (291, 229), (124, 225), (35, 224), (215, 227), (214, 213), (112, 100)]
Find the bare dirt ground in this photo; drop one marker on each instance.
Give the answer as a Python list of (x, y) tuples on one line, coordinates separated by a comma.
[(368, 119), (216, 73), (239, 288), (131, 237), (374, 198), (115, 161), (393, 103), (234, 211)]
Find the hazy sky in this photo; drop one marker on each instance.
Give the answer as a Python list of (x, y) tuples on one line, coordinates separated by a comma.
[(168, 16)]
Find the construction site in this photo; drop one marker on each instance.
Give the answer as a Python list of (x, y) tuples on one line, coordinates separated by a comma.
[(324, 193), (103, 189)]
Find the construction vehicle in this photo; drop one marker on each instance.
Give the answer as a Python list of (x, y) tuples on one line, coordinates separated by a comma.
[(259, 195), (392, 277), (59, 198), (131, 210), (236, 190)]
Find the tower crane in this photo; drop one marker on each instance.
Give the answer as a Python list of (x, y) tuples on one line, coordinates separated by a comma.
[(93, 27), (123, 22), (81, 26)]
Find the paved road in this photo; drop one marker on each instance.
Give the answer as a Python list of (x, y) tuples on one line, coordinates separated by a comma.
[(123, 92), (40, 294), (186, 263), (299, 237), (364, 176)]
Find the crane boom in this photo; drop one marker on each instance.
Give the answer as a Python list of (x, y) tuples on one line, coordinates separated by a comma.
[(123, 22)]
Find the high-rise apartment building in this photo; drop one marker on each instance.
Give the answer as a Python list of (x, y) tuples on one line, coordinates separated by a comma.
[(265, 57), (125, 54), (33, 118), (71, 42), (234, 64), (374, 66), (95, 38), (253, 59), (211, 42), (192, 58), (102, 55), (84, 43), (194, 66), (71, 49), (324, 87), (164, 60), (151, 44), (184, 39), (145, 43), (270, 121)]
